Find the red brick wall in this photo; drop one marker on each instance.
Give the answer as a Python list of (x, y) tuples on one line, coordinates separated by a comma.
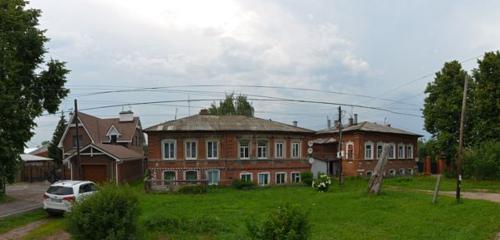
[(130, 170), (68, 140)]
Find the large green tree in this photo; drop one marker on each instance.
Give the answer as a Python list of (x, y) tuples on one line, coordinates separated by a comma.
[(442, 108), (27, 88), (487, 98), (54, 151), (232, 106)]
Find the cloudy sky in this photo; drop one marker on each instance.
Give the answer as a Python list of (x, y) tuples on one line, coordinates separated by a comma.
[(377, 54)]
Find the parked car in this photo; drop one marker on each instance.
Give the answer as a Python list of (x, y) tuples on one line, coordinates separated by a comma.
[(61, 195)]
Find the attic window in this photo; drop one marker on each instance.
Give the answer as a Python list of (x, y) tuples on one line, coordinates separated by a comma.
[(112, 138), (113, 134)]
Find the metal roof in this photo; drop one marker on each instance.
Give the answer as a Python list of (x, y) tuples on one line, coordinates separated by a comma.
[(33, 158), (369, 127), (225, 123)]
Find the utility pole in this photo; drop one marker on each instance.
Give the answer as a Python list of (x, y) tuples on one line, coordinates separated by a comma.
[(461, 142), (341, 178), (77, 142)]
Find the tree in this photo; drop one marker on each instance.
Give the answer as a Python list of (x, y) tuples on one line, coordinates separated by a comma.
[(442, 109), (487, 98), (54, 151), (232, 106), (26, 89)]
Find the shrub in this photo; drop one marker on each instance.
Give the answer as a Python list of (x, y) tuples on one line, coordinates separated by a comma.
[(242, 184), (199, 224), (286, 222), (192, 189), (109, 214), (322, 183), (483, 162), (307, 178)]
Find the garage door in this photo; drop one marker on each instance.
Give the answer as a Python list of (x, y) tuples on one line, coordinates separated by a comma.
[(96, 173)]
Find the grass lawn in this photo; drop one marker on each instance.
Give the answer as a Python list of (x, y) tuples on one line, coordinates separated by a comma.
[(347, 213), (12, 222)]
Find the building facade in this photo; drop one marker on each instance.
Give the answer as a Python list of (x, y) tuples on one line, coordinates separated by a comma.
[(222, 149), (111, 149), (362, 145)]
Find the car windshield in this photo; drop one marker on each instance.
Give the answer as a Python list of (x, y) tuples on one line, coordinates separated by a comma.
[(60, 190)]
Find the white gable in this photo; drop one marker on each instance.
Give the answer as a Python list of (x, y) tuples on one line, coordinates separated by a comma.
[(113, 131)]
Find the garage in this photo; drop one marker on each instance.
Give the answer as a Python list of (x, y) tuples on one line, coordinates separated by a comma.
[(96, 173)]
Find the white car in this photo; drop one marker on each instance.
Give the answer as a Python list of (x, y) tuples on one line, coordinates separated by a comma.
[(61, 195)]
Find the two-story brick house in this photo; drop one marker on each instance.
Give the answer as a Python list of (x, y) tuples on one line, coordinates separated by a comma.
[(362, 145), (222, 149), (111, 149)]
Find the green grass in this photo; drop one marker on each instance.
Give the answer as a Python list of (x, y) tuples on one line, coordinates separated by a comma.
[(5, 199), (53, 226), (447, 184), (9, 223)]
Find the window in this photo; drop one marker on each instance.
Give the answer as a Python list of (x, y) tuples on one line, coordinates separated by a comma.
[(380, 146), (190, 150), (401, 151), (401, 171), (279, 150), (261, 149), (168, 149), (392, 172), (90, 187), (263, 179), (212, 149), (295, 177), (369, 150), (246, 176), (409, 151), (79, 139), (369, 173), (280, 178), (113, 138), (295, 150), (392, 151), (169, 176), (213, 177), (350, 151), (410, 171), (244, 149), (191, 175)]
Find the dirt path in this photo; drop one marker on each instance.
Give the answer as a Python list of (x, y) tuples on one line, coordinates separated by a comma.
[(493, 197), (62, 235), (22, 231)]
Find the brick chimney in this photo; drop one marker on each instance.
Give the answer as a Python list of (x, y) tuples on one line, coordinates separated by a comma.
[(355, 122), (351, 120), (294, 123), (126, 116), (204, 111)]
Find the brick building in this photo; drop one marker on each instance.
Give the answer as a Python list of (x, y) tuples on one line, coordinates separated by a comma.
[(222, 149), (362, 145), (111, 149)]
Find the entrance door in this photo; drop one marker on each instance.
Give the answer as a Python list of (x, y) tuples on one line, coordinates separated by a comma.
[(95, 173)]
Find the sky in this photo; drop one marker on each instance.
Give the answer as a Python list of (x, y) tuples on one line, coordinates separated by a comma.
[(367, 53)]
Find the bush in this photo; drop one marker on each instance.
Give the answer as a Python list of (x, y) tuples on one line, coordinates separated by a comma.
[(242, 184), (199, 224), (307, 178), (286, 222), (193, 189), (483, 162), (109, 214), (322, 183)]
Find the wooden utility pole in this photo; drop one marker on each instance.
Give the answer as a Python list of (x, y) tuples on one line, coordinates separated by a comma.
[(461, 141), (341, 177), (377, 178), (78, 163)]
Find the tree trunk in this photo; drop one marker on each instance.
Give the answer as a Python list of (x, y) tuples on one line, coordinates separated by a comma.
[(375, 184)]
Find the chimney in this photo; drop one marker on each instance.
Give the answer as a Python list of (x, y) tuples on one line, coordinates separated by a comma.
[(336, 124), (328, 123), (351, 120), (204, 111), (294, 123), (355, 122), (126, 116)]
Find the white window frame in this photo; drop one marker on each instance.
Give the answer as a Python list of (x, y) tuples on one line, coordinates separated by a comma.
[(216, 142), (379, 144), (298, 144), (249, 147), (402, 171), (372, 150), (392, 172), (369, 173), (186, 142), (282, 143), (409, 151), (208, 179), (401, 155), (268, 178), (393, 147), (293, 179), (197, 174), (351, 144), (246, 173), (266, 149), (163, 175), (163, 142), (276, 178), (411, 171)]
